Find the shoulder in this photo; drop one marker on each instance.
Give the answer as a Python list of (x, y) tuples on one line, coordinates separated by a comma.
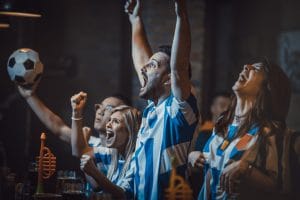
[(187, 108), (271, 128), (189, 103)]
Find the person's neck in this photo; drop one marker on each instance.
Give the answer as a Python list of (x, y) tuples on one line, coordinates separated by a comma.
[(161, 98), (243, 106)]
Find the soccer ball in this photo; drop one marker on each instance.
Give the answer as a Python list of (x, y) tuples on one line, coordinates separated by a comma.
[(24, 67)]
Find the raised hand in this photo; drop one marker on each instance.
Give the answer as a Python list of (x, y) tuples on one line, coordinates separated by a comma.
[(133, 9), (87, 165), (28, 92), (78, 102)]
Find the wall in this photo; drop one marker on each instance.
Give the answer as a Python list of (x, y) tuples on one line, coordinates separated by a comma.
[(83, 45)]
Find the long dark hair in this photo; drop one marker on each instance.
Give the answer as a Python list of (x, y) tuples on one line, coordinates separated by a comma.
[(270, 108)]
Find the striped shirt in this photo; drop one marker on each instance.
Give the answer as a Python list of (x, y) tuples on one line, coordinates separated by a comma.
[(166, 131), (109, 162), (94, 141), (219, 152)]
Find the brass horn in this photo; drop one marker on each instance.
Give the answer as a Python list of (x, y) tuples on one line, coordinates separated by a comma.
[(46, 164)]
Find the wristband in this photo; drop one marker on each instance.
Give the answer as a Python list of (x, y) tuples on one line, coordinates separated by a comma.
[(76, 119)]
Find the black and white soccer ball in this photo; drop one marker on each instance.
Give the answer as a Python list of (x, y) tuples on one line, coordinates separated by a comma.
[(24, 67)]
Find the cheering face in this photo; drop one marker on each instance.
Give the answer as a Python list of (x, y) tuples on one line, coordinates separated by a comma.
[(103, 112), (116, 132), (250, 80), (155, 74)]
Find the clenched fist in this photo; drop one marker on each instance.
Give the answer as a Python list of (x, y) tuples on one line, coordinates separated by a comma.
[(87, 164), (78, 102)]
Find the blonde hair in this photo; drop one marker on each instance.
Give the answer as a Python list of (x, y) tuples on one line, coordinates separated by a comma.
[(132, 119)]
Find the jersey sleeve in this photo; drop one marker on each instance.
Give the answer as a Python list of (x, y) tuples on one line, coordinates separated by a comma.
[(186, 112)]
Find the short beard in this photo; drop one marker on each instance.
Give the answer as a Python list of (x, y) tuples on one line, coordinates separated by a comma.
[(147, 95), (153, 90)]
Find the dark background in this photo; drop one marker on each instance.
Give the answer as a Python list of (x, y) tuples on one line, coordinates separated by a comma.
[(85, 45)]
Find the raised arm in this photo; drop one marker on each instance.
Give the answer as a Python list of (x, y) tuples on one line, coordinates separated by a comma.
[(141, 50), (78, 142), (180, 55), (53, 122)]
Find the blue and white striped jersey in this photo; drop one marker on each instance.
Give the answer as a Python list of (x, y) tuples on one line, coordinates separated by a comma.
[(94, 141), (218, 155), (109, 162), (166, 131)]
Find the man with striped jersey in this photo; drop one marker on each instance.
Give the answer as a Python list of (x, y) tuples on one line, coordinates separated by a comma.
[(170, 118)]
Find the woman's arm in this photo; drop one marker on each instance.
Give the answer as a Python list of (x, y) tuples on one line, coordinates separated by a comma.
[(266, 181), (88, 166), (78, 142), (251, 175)]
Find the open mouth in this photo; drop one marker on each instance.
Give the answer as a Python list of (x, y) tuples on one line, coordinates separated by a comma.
[(145, 78), (109, 136)]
